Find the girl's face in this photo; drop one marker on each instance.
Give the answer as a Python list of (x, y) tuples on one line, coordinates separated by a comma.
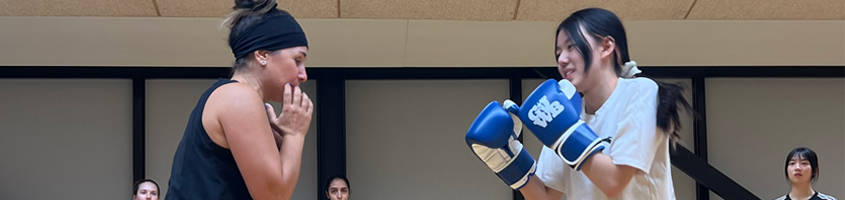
[(571, 64), (338, 190), (146, 191), (799, 170)]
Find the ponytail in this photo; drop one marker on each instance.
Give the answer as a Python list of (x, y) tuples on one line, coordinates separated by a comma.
[(671, 100)]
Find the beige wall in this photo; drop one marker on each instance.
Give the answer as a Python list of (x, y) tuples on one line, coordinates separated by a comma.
[(753, 123), (405, 139), (139, 41), (169, 104), (65, 139)]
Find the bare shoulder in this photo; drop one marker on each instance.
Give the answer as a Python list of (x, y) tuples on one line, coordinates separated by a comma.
[(228, 104), (235, 94), (235, 100)]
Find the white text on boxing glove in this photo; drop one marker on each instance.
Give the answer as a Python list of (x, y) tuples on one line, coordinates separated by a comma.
[(544, 112)]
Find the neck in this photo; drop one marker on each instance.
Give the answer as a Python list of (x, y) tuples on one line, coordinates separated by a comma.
[(801, 191), (595, 97), (246, 77)]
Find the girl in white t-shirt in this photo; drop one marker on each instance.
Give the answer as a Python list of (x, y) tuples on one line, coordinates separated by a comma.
[(640, 114)]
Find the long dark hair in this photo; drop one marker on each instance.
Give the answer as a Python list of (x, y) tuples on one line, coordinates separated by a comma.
[(599, 23)]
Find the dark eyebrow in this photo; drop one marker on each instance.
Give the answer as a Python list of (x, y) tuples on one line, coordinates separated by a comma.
[(304, 54)]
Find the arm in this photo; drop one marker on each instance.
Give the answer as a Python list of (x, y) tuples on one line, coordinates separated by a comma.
[(278, 137), (636, 142), (269, 173), (610, 178), (271, 114), (536, 190)]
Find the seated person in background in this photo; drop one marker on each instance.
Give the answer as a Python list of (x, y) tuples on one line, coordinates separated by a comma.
[(801, 170), (146, 189), (337, 188)]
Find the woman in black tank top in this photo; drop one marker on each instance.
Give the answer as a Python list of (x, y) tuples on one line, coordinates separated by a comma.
[(234, 146)]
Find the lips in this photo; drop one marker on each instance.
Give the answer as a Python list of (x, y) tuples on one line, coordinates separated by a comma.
[(567, 74), (798, 175)]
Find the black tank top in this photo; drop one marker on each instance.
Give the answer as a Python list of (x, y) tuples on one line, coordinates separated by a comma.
[(203, 170)]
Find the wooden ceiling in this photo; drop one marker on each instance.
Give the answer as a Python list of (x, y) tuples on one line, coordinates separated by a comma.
[(482, 10)]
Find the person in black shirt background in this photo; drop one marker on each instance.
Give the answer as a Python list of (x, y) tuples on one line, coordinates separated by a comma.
[(802, 170)]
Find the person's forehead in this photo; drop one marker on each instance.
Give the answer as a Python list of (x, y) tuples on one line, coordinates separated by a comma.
[(563, 35), (798, 157), (148, 184), (338, 184)]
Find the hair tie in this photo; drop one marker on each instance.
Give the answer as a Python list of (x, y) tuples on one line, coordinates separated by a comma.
[(630, 69)]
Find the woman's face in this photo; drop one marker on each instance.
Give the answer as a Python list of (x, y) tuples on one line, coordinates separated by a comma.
[(146, 191), (570, 63), (338, 190), (283, 67), (799, 170)]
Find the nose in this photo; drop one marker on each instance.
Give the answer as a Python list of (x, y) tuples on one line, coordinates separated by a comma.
[(303, 75), (563, 59)]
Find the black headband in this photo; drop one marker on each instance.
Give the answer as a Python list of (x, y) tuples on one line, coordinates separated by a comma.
[(273, 33)]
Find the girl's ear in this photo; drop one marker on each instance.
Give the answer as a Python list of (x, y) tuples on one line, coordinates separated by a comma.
[(608, 46)]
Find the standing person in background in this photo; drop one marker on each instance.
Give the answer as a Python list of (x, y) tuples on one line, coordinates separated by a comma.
[(802, 170), (338, 188), (146, 189)]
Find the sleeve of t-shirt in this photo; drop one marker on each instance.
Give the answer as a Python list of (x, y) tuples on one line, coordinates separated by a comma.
[(550, 170), (636, 141)]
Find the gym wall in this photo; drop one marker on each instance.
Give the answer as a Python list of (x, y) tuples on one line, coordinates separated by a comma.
[(199, 42), (65, 139), (407, 130), (753, 123), (404, 137), (81, 146)]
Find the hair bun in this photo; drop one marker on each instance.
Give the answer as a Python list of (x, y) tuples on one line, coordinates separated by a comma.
[(248, 4)]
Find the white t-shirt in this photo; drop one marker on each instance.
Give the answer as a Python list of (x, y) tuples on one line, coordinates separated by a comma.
[(629, 116)]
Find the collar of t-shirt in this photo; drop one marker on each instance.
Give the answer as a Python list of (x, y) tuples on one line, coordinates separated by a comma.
[(814, 197)]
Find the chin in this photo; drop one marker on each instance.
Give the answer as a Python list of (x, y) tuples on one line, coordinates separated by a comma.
[(577, 83)]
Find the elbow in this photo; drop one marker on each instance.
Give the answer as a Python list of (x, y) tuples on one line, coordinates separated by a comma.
[(613, 190), (275, 188)]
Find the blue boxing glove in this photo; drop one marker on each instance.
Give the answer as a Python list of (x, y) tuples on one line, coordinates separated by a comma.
[(492, 137), (552, 112)]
